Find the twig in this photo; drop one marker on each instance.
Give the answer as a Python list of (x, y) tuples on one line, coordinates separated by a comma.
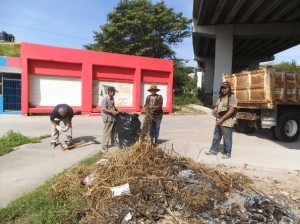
[(139, 211), (171, 214), (97, 213)]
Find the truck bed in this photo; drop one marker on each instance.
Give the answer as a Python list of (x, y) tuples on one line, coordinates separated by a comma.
[(265, 88)]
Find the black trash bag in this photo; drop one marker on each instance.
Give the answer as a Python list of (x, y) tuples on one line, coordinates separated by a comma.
[(128, 128)]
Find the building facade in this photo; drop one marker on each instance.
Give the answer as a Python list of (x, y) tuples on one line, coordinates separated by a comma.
[(51, 75)]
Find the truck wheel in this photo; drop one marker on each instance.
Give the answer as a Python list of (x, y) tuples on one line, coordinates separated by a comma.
[(287, 129), (243, 127)]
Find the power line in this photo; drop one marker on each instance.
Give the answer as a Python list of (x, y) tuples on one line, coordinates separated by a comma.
[(44, 31)]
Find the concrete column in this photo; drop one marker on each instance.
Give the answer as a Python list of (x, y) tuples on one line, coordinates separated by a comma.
[(209, 76), (223, 56)]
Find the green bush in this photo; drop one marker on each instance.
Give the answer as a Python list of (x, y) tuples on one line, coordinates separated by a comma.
[(185, 100), (9, 49)]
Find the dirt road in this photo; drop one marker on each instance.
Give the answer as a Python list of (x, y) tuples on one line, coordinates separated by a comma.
[(273, 164)]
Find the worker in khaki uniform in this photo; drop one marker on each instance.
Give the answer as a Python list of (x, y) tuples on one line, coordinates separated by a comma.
[(224, 111), (109, 113), (61, 113)]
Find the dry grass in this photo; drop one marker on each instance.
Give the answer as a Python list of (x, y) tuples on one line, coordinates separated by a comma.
[(157, 188)]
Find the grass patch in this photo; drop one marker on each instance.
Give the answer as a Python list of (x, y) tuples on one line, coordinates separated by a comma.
[(12, 139), (39, 207)]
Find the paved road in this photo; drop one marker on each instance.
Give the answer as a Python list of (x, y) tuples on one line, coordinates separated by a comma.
[(189, 135)]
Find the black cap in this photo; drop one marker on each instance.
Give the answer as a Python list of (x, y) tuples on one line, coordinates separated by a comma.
[(111, 89), (225, 84)]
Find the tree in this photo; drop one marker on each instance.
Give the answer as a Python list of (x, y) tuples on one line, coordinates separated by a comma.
[(287, 66), (138, 27), (183, 84)]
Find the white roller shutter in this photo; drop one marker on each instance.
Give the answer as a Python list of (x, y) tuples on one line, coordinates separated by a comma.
[(46, 90)]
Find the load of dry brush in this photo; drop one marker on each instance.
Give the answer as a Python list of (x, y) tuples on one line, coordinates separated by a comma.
[(164, 188)]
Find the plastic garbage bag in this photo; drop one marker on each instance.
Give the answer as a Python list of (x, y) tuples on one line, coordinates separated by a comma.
[(128, 128)]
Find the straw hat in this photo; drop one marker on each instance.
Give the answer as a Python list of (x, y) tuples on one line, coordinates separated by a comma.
[(153, 87)]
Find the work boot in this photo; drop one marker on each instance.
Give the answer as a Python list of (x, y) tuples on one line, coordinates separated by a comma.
[(226, 156), (116, 143), (155, 142), (211, 152), (53, 144)]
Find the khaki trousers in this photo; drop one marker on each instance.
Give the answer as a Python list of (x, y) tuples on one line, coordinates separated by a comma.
[(55, 132), (109, 133)]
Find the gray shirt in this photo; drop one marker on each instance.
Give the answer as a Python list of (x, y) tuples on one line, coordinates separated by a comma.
[(109, 104)]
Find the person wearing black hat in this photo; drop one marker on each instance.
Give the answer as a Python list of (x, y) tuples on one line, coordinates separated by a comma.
[(109, 113), (153, 104), (224, 111)]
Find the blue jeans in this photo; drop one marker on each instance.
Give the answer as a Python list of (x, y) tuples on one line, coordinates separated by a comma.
[(226, 133), (155, 127)]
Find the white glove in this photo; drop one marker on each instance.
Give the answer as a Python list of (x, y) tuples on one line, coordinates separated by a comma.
[(65, 129), (59, 128)]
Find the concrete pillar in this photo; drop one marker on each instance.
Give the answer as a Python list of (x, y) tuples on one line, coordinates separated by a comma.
[(200, 79), (223, 56), (209, 76)]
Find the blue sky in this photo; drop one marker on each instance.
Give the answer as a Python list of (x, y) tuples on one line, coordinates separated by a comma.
[(70, 23)]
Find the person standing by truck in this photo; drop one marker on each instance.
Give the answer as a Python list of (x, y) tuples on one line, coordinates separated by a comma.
[(224, 111)]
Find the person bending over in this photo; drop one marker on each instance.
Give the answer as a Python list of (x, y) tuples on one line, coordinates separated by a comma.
[(61, 113)]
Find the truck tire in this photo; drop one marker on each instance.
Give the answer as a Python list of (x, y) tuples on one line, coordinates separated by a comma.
[(288, 128), (243, 127)]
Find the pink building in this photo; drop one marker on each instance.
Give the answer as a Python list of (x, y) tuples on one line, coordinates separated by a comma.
[(53, 75)]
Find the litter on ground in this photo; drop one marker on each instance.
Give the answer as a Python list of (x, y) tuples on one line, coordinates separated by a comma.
[(167, 188)]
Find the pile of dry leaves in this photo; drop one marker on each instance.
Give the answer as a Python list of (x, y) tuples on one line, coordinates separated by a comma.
[(144, 184)]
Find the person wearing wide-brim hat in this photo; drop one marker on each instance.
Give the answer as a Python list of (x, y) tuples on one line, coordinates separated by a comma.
[(153, 88), (153, 104)]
